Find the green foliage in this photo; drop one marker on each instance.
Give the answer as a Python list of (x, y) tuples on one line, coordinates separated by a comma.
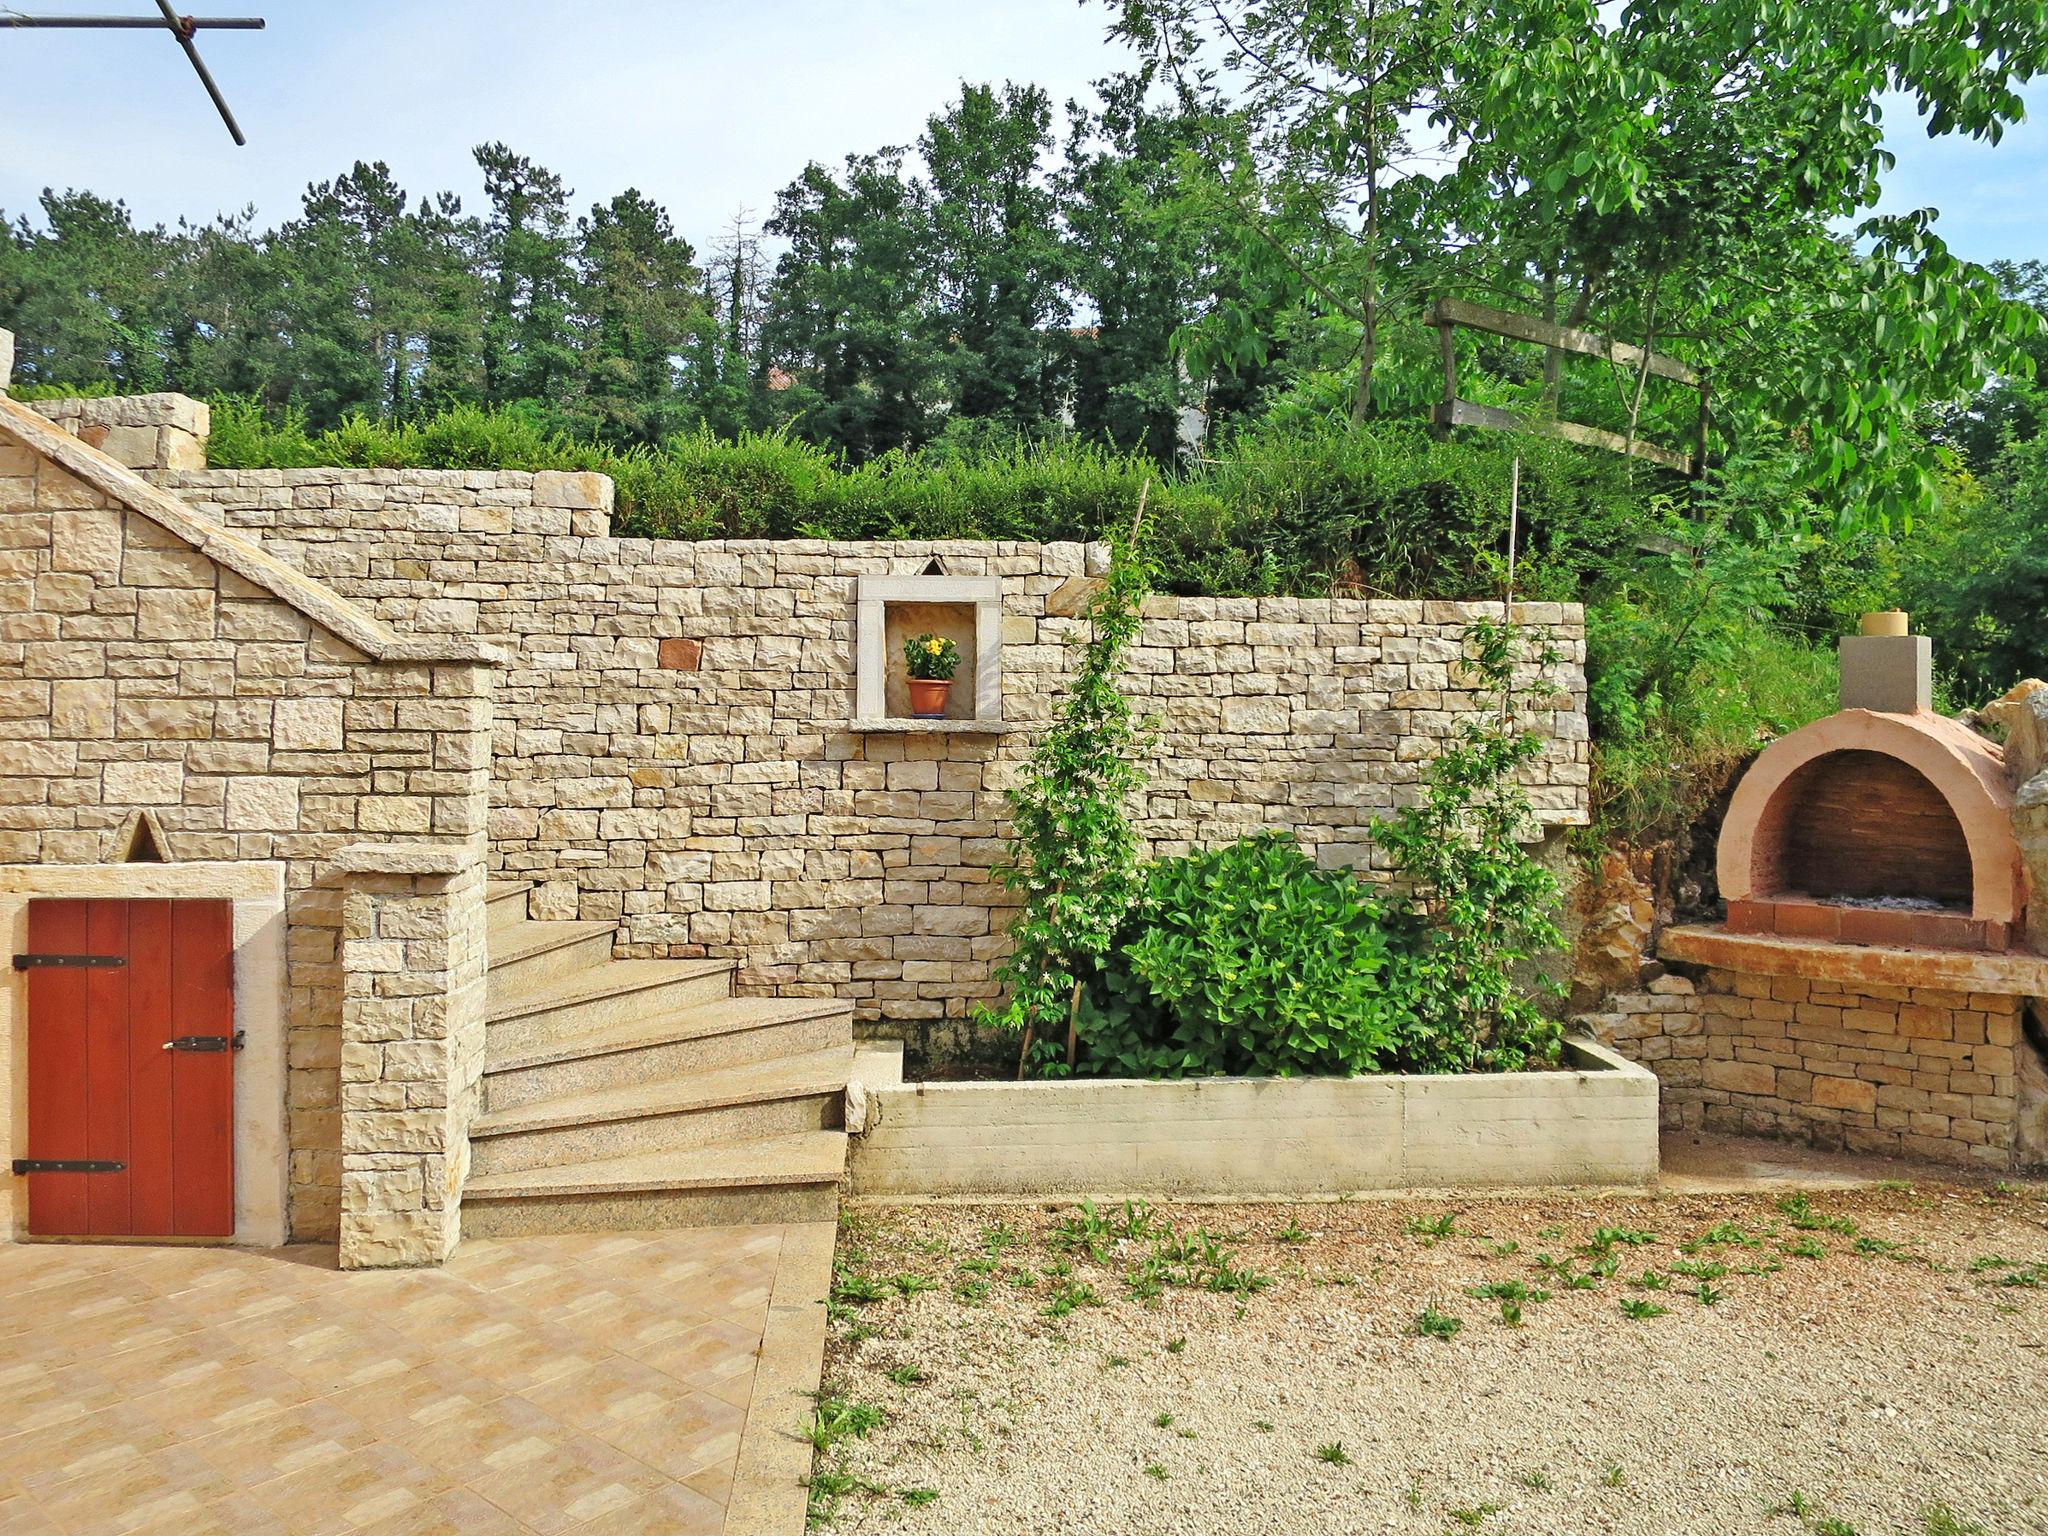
[(931, 657), (1247, 960), (1690, 672), (1073, 854), (1479, 905)]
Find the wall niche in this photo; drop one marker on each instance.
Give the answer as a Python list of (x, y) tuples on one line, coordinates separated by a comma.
[(968, 610)]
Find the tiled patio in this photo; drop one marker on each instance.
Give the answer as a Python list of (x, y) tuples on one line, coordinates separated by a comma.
[(591, 1384)]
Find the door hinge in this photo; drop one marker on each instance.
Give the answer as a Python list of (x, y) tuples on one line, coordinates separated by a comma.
[(66, 1165), (94, 962), (232, 1042)]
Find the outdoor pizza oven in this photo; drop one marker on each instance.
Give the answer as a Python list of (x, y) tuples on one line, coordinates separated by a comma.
[(1885, 823)]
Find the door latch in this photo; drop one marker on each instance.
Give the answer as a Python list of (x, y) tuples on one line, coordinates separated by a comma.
[(232, 1042)]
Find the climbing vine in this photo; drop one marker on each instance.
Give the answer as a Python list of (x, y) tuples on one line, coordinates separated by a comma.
[(1073, 851)]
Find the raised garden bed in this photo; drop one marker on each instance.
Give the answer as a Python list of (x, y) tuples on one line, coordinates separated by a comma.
[(1594, 1123)]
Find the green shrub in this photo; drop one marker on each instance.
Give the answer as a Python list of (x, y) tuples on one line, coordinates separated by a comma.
[(1245, 960)]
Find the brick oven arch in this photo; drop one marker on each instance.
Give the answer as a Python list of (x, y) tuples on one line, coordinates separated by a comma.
[(1964, 769)]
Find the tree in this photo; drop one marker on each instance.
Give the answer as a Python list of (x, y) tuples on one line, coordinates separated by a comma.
[(1680, 172), (851, 317), (640, 304), (996, 256), (528, 351)]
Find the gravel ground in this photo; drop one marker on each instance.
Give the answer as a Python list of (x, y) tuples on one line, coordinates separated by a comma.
[(1869, 1381)]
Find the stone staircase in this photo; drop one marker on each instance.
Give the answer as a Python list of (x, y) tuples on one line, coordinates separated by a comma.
[(624, 1095)]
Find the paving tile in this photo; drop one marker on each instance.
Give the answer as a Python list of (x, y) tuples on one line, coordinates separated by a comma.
[(671, 1511), (594, 1384), (682, 1435)]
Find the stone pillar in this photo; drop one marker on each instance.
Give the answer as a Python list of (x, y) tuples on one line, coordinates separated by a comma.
[(6, 358), (412, 1046), (144, 432)]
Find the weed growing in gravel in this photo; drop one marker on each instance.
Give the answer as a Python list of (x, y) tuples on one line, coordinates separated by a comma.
[(972, 1292), (1115, 1362), (1162, 1421), (1800, 1213), (1333, 1453), (1939, 1520), (852, 1286), (1796, 1503), (1536, 1482), (999, 1236), (1723, 1234), (1263, 1426), (1699, 1269), (1504, 1249), (2016, 1272), (1807, 1247), (1511, 1314), (1432, 1324), (1651, 1280), (1432, 1228), (1605, 1239), (1293, 1232), (917, 1498), (1613, 1477), (1640, 1308), (1074, 1293), (1832, 1527), (908, 1286), (906, 1375), (1156, 1472), (1474, 1516), (827, 1488), (1509, 1290), (1175, 1346), (837, 1418), (1708, 1295)]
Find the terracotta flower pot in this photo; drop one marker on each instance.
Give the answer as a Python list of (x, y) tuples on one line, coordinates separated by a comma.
[(928, 697)]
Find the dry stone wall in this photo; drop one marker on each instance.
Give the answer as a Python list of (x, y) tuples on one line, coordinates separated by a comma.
[(672, 742), (1899, 1071), (138, 675)]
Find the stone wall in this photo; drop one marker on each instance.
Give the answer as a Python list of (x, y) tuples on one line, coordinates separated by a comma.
[(413, 962), (672, 744), (145, 432), (1901, 1071), (140, 676)]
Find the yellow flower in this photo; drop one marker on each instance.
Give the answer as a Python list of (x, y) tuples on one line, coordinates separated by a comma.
[(934, 646)]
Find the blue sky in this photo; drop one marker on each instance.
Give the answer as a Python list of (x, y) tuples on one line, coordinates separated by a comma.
[(707, 107)]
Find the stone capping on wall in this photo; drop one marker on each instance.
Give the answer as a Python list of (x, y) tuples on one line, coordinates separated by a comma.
[(145, 432), (2013, 973), (1968, 771), (1257, 1138), (243, 556)]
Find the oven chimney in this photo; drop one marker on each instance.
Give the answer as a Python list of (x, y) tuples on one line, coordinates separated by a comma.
[(1887, 669)]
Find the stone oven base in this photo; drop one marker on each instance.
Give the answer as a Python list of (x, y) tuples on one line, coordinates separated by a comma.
[(1919, 1072)]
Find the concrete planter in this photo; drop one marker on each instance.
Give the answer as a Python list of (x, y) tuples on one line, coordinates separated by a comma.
[(1254, 1138)]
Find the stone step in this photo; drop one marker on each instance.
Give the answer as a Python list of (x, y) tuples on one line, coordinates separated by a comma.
[(660, 1043), (563, 1011), (750, 1103), (505, 900), (777, 1179), (524, 955)]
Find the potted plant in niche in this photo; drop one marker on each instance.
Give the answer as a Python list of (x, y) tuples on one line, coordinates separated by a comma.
[(930, 660)]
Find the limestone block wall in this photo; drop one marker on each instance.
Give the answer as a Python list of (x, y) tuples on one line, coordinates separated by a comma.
[(140, 677), (1901, 1071), (144, 432), (412, 1047), (672, 749)]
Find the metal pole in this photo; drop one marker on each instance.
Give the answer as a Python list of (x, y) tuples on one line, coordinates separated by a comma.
[(1507, 603), (132, 23), (183, 32)]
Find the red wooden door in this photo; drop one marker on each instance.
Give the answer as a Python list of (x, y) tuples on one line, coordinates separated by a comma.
[(130, 1062)]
